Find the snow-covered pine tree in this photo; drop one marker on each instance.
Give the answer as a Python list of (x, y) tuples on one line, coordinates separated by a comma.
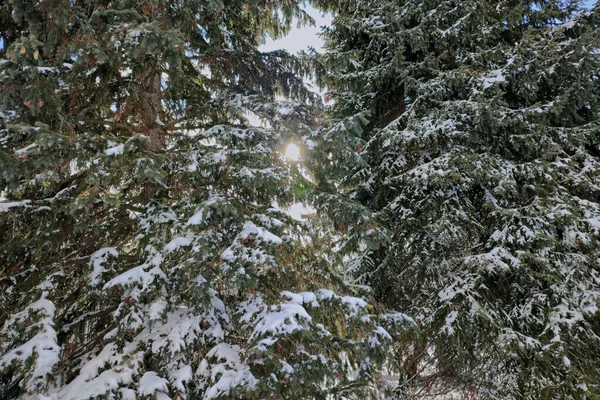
[(144, 247), (466, 144)]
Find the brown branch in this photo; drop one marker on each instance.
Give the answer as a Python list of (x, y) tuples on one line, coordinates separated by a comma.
[(89, 316), (89, 345), (107, 122)]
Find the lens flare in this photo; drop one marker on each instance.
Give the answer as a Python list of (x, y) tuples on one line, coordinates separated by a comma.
[(292, 152)]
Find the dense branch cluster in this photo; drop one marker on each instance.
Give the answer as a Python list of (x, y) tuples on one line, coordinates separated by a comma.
[(147, 244), (471, 186)]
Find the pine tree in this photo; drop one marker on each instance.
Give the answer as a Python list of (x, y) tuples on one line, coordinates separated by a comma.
[(144, 244), (465, 146)]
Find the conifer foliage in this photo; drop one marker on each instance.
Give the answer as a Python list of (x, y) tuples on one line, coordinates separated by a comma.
[(144, 248), (466, 142)]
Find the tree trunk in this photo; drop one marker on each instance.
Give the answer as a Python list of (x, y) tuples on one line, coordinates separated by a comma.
[(152, 112)]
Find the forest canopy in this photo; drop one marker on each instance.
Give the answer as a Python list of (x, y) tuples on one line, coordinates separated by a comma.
[(148, 251)]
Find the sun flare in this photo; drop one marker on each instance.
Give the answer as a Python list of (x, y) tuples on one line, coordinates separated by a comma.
[(292, 152)]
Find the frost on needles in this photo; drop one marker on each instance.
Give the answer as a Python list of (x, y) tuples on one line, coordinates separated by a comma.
[(463, 165), (145, 246)]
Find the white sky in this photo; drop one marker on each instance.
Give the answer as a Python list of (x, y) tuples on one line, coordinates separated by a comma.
[(300, 39)]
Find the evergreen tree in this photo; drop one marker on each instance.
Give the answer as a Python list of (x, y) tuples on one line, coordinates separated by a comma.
[(144, 247), (466, 146)]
